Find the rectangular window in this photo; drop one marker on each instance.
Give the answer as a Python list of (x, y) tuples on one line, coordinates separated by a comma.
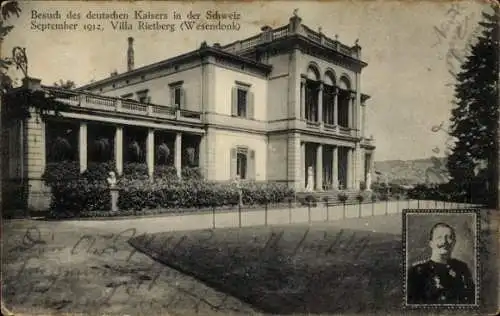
[(142, 96), (241, 165), (242, 102), (127, 96), (177, 96)]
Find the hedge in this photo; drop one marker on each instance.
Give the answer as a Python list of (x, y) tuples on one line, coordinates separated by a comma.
[(75, 194), (86, 196)]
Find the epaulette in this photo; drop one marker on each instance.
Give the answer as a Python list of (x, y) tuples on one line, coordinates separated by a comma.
[(419, 262)]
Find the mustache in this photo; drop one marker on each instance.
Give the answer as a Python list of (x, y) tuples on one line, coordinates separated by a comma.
[(446, 246)]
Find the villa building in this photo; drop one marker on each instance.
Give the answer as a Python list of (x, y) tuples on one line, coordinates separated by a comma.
[(282, 106)]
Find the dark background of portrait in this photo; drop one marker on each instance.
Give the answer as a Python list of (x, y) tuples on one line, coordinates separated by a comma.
[(418, 229)]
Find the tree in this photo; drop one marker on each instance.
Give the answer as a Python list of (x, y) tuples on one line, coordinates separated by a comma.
[(15, 104), (68, 84), (474, 119), (7, 8)]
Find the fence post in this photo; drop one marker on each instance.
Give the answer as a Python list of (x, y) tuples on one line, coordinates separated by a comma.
[(327, 212), (343, 210), (266, 213), (386, 205), (213, 216), (359, 210), (373, 208), (239, 214), (290, 210), (309, 211)]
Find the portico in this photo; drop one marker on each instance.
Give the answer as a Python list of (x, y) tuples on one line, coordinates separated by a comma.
[(330, 167), (97, 142)]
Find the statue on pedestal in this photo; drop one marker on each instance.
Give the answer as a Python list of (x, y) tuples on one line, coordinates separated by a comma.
[(310, 179), (113, 191), (368, 181), (112, 179)]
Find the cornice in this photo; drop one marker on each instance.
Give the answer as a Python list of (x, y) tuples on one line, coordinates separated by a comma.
[(307, 46), (199, 54)]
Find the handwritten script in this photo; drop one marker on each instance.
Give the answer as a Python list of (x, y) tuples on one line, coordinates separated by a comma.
[(115, 264)]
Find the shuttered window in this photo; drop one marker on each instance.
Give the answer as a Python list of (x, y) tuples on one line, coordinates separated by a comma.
[(242, 102), (177, 95), (242, 163)]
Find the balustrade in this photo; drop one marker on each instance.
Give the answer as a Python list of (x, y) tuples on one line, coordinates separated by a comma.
[(283, 32), (85, 100)]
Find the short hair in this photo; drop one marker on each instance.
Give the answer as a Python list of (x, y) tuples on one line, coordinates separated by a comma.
[(441, 224)]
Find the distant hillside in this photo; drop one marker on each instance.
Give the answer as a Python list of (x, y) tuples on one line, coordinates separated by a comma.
[(412, 171)]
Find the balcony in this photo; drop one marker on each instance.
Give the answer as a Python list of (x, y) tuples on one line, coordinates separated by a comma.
[(270, 35), (326, 128), (104, 103)]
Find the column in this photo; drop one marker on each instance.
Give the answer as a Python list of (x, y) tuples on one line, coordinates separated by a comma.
[(202, 155), (335, 168), (82, 146), (303, 165), (303, 98), (294, 84), (150, 152), (348, 183), (293, 160), (352, 122), (178, 154), (363, 122), (319, 167), (119, 149), (357, 166), (335, 107), (358, 104), (320, 102)]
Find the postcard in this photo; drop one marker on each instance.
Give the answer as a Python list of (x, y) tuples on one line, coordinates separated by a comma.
[(249, 157)]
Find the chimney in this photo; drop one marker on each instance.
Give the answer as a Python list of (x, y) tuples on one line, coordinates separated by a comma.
[(130, 54)]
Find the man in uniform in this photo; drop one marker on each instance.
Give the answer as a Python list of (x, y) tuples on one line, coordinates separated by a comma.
[(441, 279)]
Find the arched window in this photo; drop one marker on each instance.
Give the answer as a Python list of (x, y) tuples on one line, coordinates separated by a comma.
[(313, 73), (329, 98), (311, 93), (345, 83), (343, 97), (329, 78)]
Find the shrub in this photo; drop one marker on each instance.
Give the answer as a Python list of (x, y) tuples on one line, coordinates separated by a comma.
[(139, 194), (135, 170), (360, 197), (362, 185), (99, 171), (72, 197), (342, 196), (191, 173), (56, 172), (164, 172)]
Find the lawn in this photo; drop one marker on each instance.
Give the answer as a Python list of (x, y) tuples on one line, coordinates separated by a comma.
[(351, 266), (85, 267), (289, 269), (62, 267)]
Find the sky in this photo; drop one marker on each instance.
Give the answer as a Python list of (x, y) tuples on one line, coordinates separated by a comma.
[(405, 43)]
